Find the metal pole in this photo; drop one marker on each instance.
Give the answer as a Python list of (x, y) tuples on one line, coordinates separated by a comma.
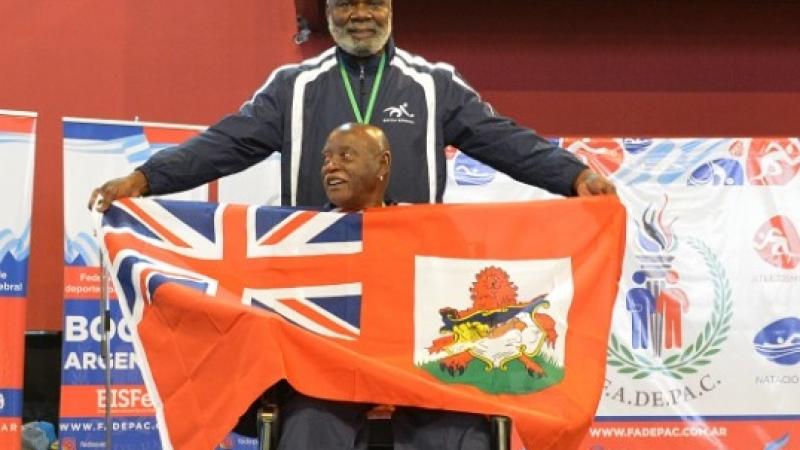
[(105, 345)]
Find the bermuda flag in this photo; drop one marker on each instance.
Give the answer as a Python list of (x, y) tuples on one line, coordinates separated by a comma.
[(496, 309)]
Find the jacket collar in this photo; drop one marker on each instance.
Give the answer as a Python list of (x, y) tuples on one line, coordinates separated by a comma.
[(353, 63)]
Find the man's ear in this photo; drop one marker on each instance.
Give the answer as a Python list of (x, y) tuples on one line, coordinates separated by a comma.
[(386, 164)]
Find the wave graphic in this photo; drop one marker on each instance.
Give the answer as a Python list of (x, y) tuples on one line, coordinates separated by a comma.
[(788, 353), (668, 161), (468, 171), (81, 251), (18, 247), (15, 138), (14, 253), (136, 148)]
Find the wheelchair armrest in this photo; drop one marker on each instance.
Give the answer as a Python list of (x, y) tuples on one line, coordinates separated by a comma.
[(267, 419), (500, 432), (500, 427)]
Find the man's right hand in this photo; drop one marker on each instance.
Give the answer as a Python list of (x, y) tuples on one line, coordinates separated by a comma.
[(132, 185)]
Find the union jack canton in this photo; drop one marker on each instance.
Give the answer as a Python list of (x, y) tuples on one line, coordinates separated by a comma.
[(299, 264)]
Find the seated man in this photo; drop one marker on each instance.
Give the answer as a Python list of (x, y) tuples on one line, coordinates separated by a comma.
[(355, 173), (355, 167)]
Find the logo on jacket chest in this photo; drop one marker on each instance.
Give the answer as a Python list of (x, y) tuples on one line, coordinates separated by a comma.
[(399, 114)]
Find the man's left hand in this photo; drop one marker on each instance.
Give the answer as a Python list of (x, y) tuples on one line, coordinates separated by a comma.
[(590, 183)]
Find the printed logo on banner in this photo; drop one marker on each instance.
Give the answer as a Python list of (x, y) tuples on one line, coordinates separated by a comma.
[(68, 443), (778, 243), (10, 402), (718, 172), (658, 343), (675, 161), (779, 341), (234, 441), (501, 337), (726, 171), (469, 172), (226, 444), (634, 146), (602, 155), (773, 161), (778, 444)]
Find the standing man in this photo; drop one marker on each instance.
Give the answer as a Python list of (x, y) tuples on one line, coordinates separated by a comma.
[(422, 107)]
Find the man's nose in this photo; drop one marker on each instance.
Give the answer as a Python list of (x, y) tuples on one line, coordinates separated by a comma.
[(329, 164), (361, 11)]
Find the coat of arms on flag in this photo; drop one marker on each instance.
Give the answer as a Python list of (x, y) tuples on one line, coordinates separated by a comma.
[(460, 313), (504, 333)]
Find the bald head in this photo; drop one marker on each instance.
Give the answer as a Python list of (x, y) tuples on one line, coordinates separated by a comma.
[(373, 136), (356, 161)]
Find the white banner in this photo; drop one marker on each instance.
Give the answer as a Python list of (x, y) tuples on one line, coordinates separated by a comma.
[(705, 350), (96, 151), (17, 144)]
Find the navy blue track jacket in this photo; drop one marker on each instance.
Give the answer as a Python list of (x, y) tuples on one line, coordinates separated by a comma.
[(422, 107)]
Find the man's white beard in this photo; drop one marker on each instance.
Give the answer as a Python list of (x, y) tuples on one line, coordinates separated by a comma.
[(363, 47)]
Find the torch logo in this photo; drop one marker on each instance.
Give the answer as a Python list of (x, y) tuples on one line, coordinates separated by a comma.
[(657, 302)]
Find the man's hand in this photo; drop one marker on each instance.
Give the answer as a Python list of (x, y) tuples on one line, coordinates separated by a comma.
[(133, 185), (591, 183)]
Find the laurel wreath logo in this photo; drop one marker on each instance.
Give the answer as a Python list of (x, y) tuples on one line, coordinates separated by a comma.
[(696, 355)]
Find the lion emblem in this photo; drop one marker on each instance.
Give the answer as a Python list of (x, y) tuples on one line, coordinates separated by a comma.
[(496, 329)]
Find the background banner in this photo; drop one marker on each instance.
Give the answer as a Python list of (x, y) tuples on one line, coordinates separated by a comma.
[(94, 152), (705, 349), (17, 143), (705, 344), (258, 185)]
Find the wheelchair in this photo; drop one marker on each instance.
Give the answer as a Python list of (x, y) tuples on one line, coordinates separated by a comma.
[(268, 423)]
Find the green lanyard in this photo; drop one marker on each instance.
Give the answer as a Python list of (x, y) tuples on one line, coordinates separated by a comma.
[(372, 96)]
